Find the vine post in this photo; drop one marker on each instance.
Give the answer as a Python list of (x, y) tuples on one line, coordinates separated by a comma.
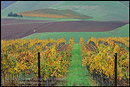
[(115, 69), (39, 69)]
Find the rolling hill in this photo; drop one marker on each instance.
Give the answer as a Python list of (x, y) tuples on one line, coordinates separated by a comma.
[(21, 6), (20, 30), (122, 32), (99, 10), (54, 13)]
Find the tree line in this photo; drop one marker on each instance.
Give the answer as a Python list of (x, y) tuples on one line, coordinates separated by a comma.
[(11, 14)]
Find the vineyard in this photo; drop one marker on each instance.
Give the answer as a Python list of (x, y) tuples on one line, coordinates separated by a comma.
[(65, 43), (98, 57), (19, 61)]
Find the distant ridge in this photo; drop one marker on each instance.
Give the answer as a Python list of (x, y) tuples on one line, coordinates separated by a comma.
[(99, 10), (21, 6)]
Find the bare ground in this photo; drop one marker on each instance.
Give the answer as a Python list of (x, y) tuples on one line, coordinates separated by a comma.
[(9, 21), (26, 28)]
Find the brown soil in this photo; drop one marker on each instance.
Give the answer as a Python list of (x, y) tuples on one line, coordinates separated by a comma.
[(7, 21), (21, 30)]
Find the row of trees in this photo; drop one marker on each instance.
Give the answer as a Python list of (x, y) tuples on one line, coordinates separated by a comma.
[(11, 14)]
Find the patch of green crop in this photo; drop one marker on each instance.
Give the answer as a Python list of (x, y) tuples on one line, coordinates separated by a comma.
[(77, 73), (122, 32)]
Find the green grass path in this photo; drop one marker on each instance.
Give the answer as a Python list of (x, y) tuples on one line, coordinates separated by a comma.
[(77, 75)]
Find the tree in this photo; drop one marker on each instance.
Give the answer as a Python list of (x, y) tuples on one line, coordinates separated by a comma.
[(11, 14)]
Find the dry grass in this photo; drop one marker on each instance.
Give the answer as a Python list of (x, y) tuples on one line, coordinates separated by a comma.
[(44, 15)]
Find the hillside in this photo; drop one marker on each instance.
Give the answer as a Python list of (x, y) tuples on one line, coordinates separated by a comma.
[(21, 30), (122, 32), (54, 13), (21, 6), (99, 10)]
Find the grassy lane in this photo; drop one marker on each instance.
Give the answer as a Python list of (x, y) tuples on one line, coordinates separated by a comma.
[(77, 75)]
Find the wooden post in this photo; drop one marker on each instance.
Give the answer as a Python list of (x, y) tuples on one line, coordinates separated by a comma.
[(39, 69), (108, 81), (101, 78), (115, 69)]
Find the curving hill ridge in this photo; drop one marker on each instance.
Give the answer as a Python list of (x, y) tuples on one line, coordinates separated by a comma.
[(99, 10), (54, 13), (21, 6), (119, 32), (106, 16)]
